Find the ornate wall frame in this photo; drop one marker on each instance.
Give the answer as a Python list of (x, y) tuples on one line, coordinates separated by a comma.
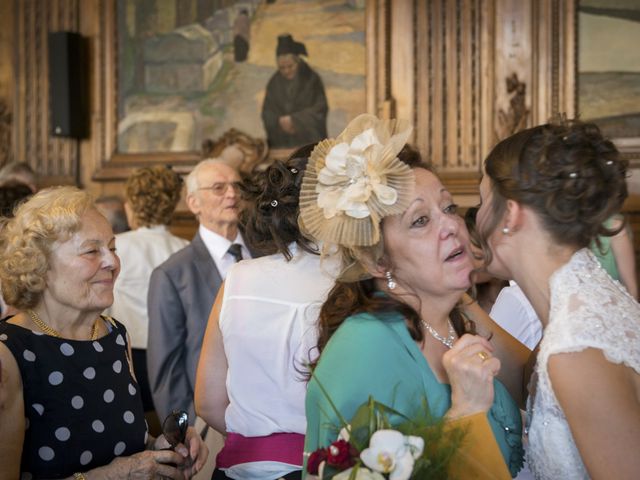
[(112, 165)]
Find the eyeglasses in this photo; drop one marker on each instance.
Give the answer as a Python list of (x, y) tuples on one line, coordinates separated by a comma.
[(220, 188)]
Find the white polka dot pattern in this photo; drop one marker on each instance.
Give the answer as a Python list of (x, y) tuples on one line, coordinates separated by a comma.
[(119, 448), (117, 366), (66, 349), (128, 416), (77, 402), (56, 378), (108, 395), (46, 453), (63, 434), (86, 410), (97, 426), (86, 457)]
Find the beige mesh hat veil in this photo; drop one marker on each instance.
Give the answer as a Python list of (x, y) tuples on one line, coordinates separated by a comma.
[(352, 182)]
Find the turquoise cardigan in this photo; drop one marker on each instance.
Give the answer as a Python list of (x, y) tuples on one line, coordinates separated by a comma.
[(374, 355)]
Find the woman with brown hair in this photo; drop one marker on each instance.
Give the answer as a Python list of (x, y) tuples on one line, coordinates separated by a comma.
[(393, 327), (250, 384), (546, 195)]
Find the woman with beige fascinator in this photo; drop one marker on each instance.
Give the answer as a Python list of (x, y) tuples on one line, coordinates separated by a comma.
[(393, 327)]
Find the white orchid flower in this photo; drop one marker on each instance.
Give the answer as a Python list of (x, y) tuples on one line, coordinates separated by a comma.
[(349, 178), (345, 433), (361, 474), (393, 453)]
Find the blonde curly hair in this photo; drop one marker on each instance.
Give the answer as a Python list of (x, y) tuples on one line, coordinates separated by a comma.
[(153, 194), (51, 215)]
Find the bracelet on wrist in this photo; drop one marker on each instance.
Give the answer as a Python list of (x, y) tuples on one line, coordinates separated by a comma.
[(79, 476)]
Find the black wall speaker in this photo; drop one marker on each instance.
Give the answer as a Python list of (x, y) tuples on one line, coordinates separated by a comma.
[(68, 85)]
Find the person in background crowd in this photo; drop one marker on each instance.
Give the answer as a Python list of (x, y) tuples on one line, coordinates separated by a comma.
[(396, 308), (295, 106), (21, 172), (546, 195), (112, 207), (152, 194), (616, 254), (71, 402), (12, 193), (183, 289), (260, 333)]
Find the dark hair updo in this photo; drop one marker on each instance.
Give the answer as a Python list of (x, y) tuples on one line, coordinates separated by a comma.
[(271, 216), (569, 174)]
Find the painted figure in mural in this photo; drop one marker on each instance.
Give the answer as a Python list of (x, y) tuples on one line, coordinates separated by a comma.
[(241, 30), (295, 106)]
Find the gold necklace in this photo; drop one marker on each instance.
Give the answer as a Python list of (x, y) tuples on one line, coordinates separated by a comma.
[(54, 333)]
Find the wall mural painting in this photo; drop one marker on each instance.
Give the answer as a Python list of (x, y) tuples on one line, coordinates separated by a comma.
[(191, 70), (609, 65)]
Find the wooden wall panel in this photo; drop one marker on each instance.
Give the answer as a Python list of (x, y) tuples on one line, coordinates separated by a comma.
[(55, 159)]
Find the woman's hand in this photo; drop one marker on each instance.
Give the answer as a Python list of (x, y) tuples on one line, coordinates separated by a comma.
[(149, 464), (471, 368), (193, 451)]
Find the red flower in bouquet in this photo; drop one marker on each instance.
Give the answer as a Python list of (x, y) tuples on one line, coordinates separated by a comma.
[(315, 459), (341, 454)]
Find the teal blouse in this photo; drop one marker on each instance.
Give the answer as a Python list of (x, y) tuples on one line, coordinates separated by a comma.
[(374, 355)]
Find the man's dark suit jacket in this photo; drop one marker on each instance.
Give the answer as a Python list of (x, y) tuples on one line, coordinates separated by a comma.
[(181, 293)]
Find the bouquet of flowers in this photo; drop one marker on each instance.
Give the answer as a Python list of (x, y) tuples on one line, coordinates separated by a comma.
[(370, 448)]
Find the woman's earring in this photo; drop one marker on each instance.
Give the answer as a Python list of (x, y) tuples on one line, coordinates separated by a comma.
[(506, 230), (391, 283)]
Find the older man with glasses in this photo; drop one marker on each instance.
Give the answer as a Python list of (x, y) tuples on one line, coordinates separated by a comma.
[(183, 289)]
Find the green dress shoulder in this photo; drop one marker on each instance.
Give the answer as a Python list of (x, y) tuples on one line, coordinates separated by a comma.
[(374, 355)]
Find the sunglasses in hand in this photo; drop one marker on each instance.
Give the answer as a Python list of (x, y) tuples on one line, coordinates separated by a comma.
[(174, 427)]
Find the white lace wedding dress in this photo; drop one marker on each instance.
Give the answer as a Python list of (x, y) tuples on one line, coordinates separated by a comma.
[(587, 309)]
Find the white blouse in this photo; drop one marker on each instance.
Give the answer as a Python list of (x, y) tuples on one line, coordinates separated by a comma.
[(268, 323)]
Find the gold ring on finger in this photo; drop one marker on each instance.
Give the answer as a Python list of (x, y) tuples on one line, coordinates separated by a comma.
[(483, 355)]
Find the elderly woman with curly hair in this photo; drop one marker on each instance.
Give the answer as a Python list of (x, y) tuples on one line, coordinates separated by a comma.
[(72, 406), (152, 194)]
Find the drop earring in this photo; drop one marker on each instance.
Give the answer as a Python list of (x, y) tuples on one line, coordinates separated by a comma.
[(391, 283), (506, 230)]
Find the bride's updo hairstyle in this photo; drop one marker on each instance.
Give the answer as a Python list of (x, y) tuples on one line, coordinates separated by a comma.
[(569, 174)]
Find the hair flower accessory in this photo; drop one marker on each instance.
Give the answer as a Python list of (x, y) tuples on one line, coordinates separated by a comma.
[(355, 180)]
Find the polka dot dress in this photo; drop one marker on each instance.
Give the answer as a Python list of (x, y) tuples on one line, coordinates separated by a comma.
[(82, 406)]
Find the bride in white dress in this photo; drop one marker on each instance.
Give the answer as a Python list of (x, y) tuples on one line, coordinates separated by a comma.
[(546, 193)]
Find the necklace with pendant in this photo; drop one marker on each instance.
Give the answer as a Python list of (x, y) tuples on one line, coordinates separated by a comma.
[(448, 341), (54, 333)]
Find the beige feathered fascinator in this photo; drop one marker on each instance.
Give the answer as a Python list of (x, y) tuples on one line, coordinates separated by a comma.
[(352, 182)]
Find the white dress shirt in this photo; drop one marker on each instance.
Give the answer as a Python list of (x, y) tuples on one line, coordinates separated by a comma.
[(218, 247)]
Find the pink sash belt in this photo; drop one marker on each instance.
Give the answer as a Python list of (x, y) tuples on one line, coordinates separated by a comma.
[(277, 447)]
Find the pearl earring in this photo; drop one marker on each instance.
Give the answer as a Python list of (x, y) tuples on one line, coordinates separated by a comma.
[(391, 283), (506, 230)]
